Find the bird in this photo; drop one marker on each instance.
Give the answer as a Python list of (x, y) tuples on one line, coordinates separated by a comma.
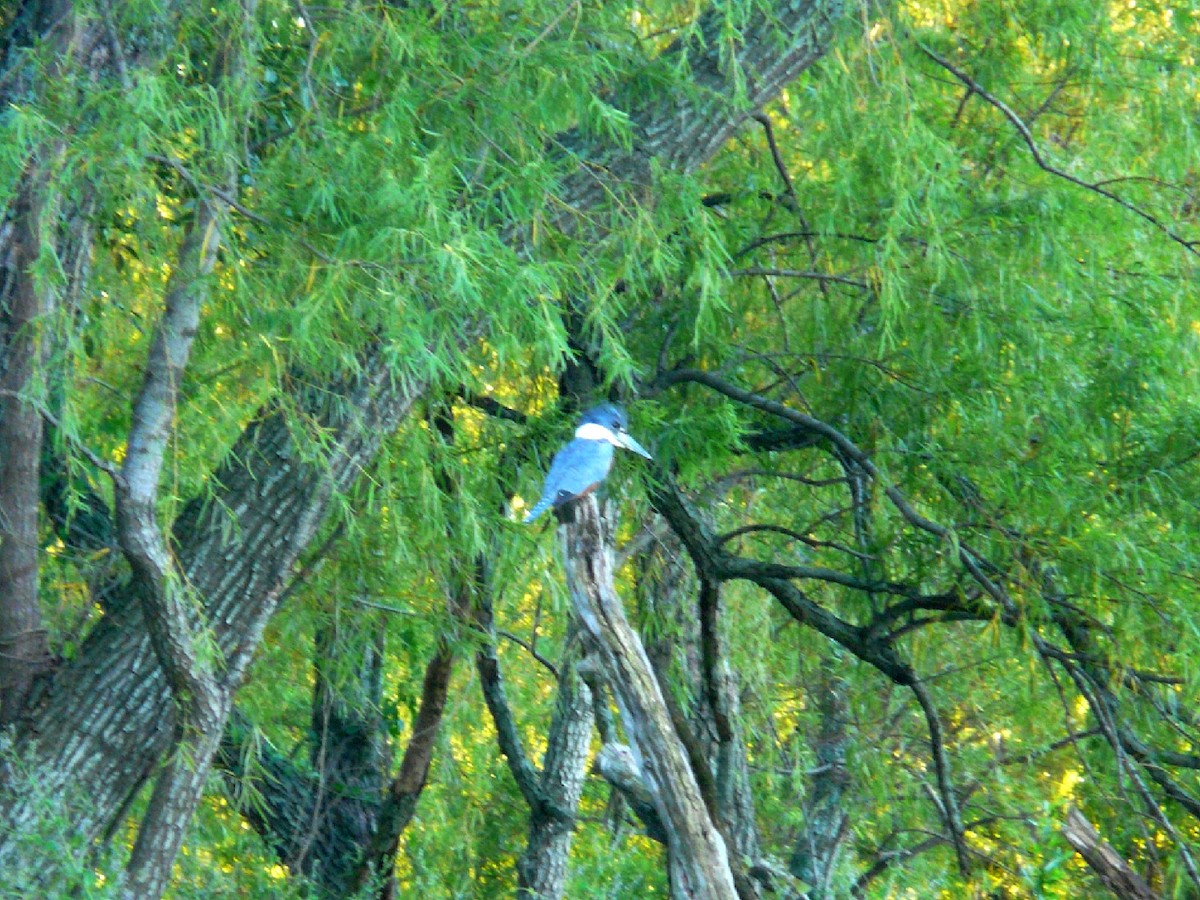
[(583, 463)]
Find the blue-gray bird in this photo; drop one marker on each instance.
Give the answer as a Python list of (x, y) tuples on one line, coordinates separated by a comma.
[(585, 462)]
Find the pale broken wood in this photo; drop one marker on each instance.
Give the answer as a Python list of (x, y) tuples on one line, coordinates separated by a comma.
[(1110, 867), (697, 856)]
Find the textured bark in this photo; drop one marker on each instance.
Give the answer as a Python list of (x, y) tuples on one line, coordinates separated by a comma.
[(697, 856), (176, 793), (26, 300), (318, 819), (106, 719), (690, 646), (1110, 867), (23, 303), (201, 706), (618, 766), (683, 131), (815, 855), (285, 805), (542, 869), (552, 793)]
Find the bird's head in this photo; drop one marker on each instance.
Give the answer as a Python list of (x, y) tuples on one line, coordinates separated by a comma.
[(608, 422)]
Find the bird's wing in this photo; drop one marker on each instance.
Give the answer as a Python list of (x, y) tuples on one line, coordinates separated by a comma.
[(578, 466)]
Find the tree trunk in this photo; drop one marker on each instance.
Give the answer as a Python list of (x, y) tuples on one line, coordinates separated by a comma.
[(379, 855), (347, 752), (815, 855), (697, 857), (105, 720), (690, 645), (542, 869), (24, 303)]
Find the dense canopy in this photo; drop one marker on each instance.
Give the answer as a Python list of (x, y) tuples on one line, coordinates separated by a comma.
[(297, 302)]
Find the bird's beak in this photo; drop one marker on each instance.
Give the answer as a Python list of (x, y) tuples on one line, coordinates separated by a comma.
[(629, 443)]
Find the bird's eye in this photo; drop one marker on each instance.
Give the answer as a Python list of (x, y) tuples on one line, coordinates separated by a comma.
[(617, 426)]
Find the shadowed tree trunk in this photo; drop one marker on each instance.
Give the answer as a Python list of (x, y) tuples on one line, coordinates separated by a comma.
[(45, 250), (24, 304), (815, 856), (542, 869), (105, 721), (347, 751), (340, 825), (400, 802)]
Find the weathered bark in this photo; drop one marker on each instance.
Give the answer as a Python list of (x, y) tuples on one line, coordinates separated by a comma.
[(400, 804), (542, 869), (552, 793), (690, 645), (682, 131), (282, 801), (697, 856), (618, 766), (201, 706), (27, 300), (1110, 867), (105, 719), (23, 304), (815, 855)]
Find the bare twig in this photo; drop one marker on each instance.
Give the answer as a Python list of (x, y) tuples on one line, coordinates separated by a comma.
[(799, 273), (529, 648), (1027, 136), (941, 764), (573, 5), (86, 452)]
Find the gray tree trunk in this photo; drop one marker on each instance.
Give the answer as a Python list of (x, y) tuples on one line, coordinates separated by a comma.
[(698, 859), (689, 645), (97, 732), (542, 869), (814, 859)]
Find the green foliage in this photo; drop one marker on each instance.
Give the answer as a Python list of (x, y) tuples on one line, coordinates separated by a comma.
[(984, 328)]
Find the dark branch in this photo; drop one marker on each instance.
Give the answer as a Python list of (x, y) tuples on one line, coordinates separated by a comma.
[(1027, 136)]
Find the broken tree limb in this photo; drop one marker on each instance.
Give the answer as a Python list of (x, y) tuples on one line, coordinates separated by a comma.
[(697, 856), (1110, 867)]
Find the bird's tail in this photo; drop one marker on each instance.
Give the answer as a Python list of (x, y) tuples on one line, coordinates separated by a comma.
[(542, 506)]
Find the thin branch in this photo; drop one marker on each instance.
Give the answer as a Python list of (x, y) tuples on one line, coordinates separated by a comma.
[(530, 649), (554, 23), (780, 166), (1027, 136), (799, 273), (794, 535), (86, 452), (941, 763)]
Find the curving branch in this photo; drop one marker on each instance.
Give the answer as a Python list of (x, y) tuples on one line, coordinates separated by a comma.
[(1096, 187), (176, 633), (1087, 665), (400, 803)]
